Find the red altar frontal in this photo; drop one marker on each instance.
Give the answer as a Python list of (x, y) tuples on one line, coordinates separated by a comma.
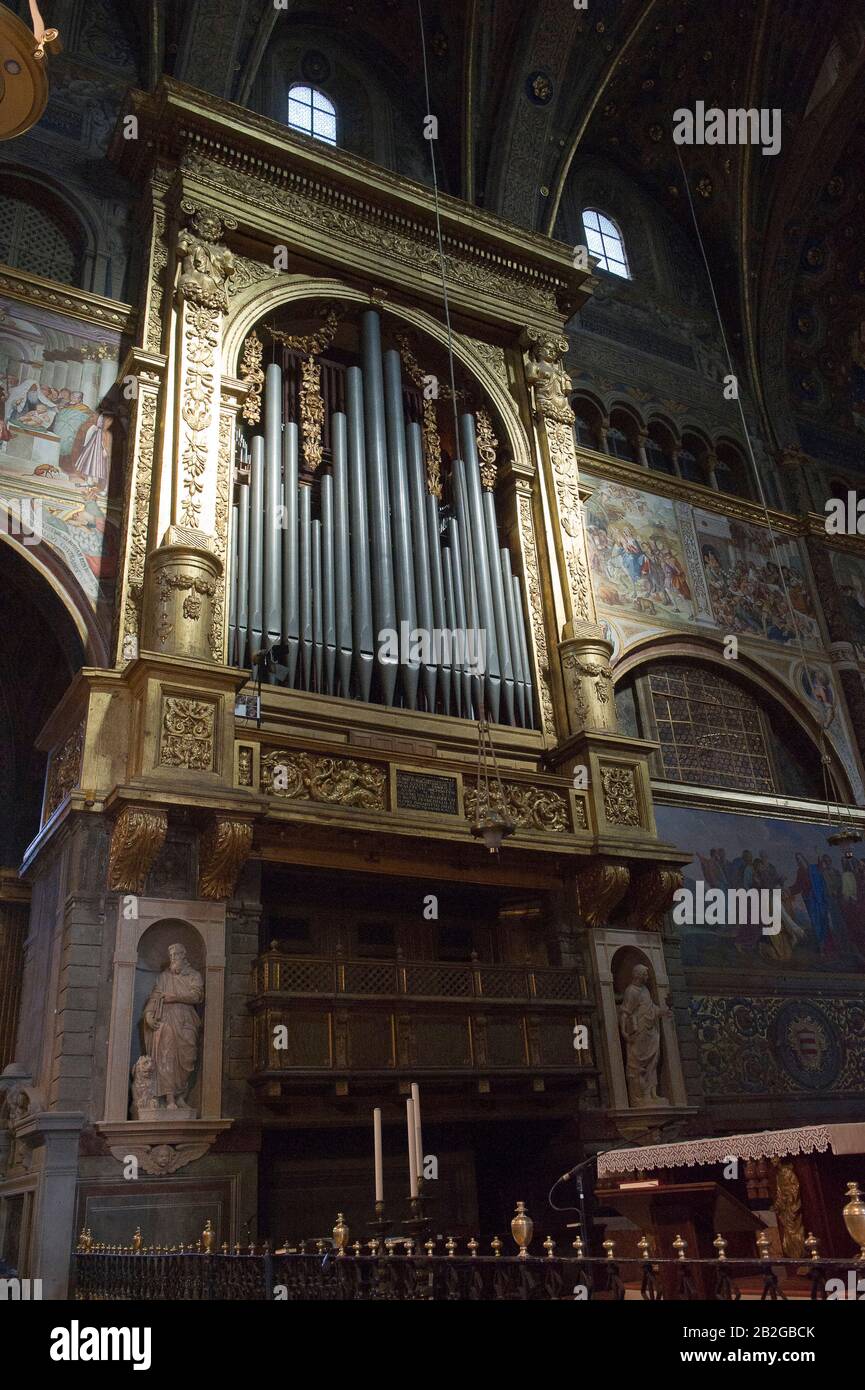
[(790, 1183)]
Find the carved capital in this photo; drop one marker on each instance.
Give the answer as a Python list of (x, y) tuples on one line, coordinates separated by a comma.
[(223, 849), (138, 836), (544, 371), (600, 888), (651, 895), (588, 679)]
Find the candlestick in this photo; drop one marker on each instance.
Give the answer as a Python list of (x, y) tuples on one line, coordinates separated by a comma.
[(418, 1139), (412, 1146), (379, 1167)]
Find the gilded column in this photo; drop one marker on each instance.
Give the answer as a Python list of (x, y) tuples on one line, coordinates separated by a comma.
[(145, 371), (185, 574), (584, 652)]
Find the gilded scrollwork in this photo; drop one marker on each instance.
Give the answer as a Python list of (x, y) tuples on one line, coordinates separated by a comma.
[(619, 790), (316, 777), (536, 606), (223, 849), (136, 839), (144, 431), (202, 331), (187, 733), (651, 895), (432, 448), (224, 465), (252, 373), (529, 807), (64, 769), (206, 264), (486, 445)]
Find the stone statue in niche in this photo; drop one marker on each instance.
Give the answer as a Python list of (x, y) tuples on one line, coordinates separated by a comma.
[(171, 1025), (639, 1024)]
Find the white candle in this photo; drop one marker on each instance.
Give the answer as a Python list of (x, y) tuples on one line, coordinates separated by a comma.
[(379, 1167), (412, 1147), (418, 1139)]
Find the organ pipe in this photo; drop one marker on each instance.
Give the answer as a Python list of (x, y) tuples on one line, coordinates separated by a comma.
[(362, 629), (322, 564), (383, 595)]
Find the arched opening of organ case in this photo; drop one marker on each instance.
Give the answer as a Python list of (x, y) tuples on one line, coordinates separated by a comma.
[(368, 557)]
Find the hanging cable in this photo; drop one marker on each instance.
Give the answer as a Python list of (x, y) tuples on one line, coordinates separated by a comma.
[(824, 755)]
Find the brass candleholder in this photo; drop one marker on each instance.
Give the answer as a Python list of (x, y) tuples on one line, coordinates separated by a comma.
[(420, 1221), (381, 1226)]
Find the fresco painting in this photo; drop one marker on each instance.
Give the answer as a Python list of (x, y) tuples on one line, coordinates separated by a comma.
[(822, 892), (59, 444), (638, 556), (636, 553), (849, 574), (751, 587)]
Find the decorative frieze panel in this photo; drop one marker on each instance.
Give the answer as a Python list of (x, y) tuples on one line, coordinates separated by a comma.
[(529, 807), (621, 799), (64, 769), (187, 733), (319, 777)]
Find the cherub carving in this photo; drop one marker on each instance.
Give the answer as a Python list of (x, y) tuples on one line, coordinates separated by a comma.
[(545, 372), (207, 264)]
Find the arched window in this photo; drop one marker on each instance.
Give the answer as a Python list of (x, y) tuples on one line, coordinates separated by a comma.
[(312, 112), (36, 235), (622, 436), (715, 731), (658, 459), (584, 432), (604, 240), (587, 422), (731, 471)]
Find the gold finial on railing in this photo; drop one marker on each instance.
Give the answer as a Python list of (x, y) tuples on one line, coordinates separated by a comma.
[(340, 1234), (643, 1247), (812, 1245), (496, 1246), (577, 1244), (854, 1217), (319, 1248), (357, 1248), (473, 1248), (451, 1247), (763, 1245), (373, 1246), (159, 1249), (252, 1250), (237, 1247), (81, 1247), (681, 1247), (522, 1229), (208, 1237), (550, 1247), (136, 1241), (610, 1247), (430, 1247), (720, 1245), (409, 1246)]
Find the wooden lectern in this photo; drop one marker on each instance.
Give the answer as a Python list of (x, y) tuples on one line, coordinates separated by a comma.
[(696, 1211)]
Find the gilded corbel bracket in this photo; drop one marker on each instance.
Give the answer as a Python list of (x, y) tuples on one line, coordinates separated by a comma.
[(223, 850), (601, 886), (650, 896), (138, 836)]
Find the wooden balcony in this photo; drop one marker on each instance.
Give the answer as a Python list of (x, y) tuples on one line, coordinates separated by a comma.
[(369, 1019)]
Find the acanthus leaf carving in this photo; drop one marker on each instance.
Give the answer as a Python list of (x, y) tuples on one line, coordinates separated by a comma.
[(223, 849), (138, 836)]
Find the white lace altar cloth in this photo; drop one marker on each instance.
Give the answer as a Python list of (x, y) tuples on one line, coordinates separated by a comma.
[(772, 1143)]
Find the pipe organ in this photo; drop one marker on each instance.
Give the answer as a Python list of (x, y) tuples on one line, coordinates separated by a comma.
[(350, 576)]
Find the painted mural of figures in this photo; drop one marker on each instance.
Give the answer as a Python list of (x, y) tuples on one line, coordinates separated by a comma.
[(811, 887), (29, 407), (94, 460), (853, 901), (70, 425), (5, 432)]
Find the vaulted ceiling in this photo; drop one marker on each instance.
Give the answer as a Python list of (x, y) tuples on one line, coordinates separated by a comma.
[(524, 92)]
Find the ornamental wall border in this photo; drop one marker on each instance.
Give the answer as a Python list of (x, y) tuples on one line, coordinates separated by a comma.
[(67, 299)]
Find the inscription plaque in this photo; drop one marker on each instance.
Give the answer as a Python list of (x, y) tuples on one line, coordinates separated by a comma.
[(426, 791)]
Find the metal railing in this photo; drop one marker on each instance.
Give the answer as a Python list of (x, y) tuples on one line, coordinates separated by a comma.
[(391, 1275)]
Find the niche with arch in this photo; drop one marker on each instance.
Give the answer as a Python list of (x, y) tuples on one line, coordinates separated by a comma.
[(141, 955), (153, 961), (648, 1080)]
